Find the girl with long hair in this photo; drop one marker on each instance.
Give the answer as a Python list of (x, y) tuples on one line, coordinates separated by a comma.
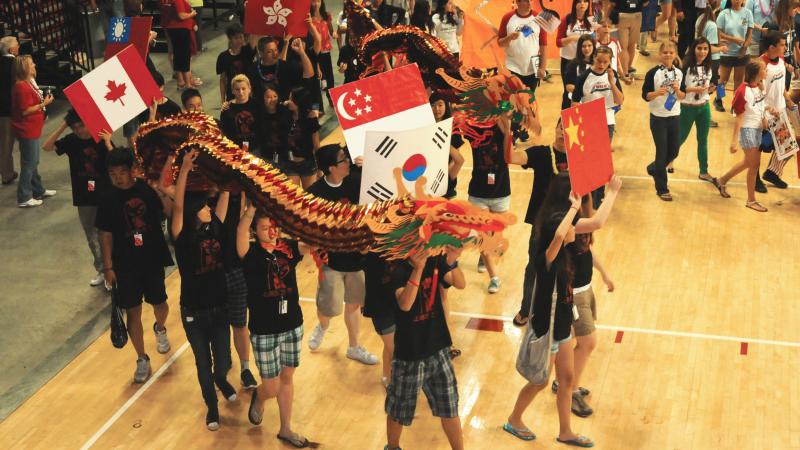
[(735, 26), (706, 27), (576, 67), (749, 104), (448, 24), (302, 138), (441, 111), (322, 22), (577, 23), (421, 16), (695, 110)]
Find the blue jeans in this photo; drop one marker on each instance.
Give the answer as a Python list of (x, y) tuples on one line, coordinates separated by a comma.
[(209, 335), (30, 183)]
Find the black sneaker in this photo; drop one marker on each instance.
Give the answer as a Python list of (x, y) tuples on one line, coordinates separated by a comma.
[(632, 70), (773, 178), (579, 406), (760, 186), (248, 380), (718, 105), (212, 419), (713, 124), (227, 390), (584, 392)]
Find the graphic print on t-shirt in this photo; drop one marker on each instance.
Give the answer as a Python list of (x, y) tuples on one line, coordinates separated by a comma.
[(278, 267), (135, 210), (244, 122), (210, 256), (89, 162), (425, 310)]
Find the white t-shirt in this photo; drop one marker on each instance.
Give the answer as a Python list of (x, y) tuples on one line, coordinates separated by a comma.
[(448, 32), (657, 77), (591, 86), (775, 83), (569, 51), (750, 102), (698, 77), (522, 54), (616, 49)]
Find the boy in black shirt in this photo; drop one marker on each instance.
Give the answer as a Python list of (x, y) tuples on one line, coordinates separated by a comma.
[(342, 269), (134, 252), (87, 170), (159, 109), (422, 345), (233, 61)]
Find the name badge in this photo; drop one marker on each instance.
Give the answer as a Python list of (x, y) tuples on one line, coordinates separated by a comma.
[(291, 156), (535, 65), (490, 178), (90, 186), (283, 306), (632, 5), (189, 319), (138, 241)]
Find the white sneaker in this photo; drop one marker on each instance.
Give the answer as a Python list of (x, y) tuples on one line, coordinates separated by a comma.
[(316, 337), (494, 285), (30, 203), (162, 343), (97, 280), (362, 355), (49, 193), (481, 265), (142, 370)]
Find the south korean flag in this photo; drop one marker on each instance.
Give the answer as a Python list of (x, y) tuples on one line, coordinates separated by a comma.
[(418, 152)]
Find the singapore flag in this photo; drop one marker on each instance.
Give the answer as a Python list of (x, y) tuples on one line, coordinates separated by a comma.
[(113, 93), (390, 101)]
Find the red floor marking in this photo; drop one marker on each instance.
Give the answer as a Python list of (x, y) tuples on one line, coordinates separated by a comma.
[(743, 348), (618, 339), (485, 324)]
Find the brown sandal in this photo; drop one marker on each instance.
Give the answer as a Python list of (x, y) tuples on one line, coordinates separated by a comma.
[(723, 191), (755, 206), (666, 196)]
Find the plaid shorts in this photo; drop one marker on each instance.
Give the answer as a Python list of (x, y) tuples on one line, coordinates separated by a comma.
[(237, 297), (437, 379), (273, 351)]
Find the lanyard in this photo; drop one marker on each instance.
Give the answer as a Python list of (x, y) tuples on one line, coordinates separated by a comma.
[(765, 12)]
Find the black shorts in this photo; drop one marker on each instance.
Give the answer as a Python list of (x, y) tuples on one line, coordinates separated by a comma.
[(181, 40), (135, 284), (384, 325), (714, 72), (529, 80), (237, 297), (304, 168), (734, 61)]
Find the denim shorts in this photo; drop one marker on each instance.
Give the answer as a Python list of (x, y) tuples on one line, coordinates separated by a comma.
[(556, 344), (492, 204), (750, 137)]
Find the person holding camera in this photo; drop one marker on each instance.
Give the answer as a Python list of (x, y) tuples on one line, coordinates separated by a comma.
[(28, 104)]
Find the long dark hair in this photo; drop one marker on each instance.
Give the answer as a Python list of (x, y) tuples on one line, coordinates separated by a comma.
[(690, 60), (709, 14), (421, 17), (572, 17), (322, 11), (556, 200), (447, 17), (563, 264), (579, 58)]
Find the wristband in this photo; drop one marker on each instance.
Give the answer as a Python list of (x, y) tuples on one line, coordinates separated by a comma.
[(109, 269), (413, 283)]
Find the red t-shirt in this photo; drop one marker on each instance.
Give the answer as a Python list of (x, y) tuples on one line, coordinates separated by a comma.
[(169, 14), (23, 96), (324, 31)]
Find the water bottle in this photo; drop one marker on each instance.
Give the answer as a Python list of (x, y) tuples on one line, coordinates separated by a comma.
[(720, 91)]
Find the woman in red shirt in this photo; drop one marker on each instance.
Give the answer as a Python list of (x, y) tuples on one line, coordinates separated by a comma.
[(27, 120), (321, 19), (176, 18)]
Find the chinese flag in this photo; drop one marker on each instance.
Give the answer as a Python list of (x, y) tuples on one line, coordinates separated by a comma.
[(588, 146), (123, 31), (277, 17)]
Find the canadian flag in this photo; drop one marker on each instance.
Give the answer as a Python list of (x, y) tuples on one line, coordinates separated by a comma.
[(276, 17), (113, 93), (390, 101)]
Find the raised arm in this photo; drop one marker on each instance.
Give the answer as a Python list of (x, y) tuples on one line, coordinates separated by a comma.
[(407, 294), (180, 191), (50, 144), (300, 48), (221, 211), (563, 228), (455, 277), (594, 223), (243, 231)]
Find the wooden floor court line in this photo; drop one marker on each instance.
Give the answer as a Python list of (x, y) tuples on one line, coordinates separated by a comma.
[(139, 392)]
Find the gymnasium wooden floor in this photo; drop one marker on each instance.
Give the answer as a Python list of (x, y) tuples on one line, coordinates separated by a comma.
[(697, 349)]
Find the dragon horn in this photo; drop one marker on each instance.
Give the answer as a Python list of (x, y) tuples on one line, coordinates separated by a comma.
[(455, 84), (419, 189), (398, 178)]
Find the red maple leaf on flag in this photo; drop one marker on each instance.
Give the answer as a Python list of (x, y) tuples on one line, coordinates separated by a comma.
[(115, 91)]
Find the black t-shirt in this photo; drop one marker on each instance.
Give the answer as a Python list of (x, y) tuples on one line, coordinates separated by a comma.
[(281, 74), (272, 295), (456, 141), (200, 262), (166, 109), (87, 168), (232, 65), (347, 192), (347, 55), (582, 257), (133, 216), (299, 139), (546, 282), (573, 71), (275, 133), (241, 123), (489, 169), (379, 300), (422, 330), (541, 160), (232, 215), (6, 84)]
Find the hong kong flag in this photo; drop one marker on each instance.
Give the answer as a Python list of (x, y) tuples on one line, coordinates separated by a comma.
[(113, 93), (390, 101), (588, 146), (277, 17)]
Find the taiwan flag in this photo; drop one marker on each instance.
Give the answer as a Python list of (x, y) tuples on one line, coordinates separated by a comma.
[(113, 93), (588, 146), (390, 101), (277, 17), (123, 31)]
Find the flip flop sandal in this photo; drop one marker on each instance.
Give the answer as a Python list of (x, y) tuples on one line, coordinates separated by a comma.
[(707, 177), (252, 415), (520, 433), (723, 190), (667, 197), (298, 442), (581, 441), (670, 170), (755, 206)]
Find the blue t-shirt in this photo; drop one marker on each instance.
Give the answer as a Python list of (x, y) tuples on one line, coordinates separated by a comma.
[(735, 23), (710, 32), (763, 11)]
